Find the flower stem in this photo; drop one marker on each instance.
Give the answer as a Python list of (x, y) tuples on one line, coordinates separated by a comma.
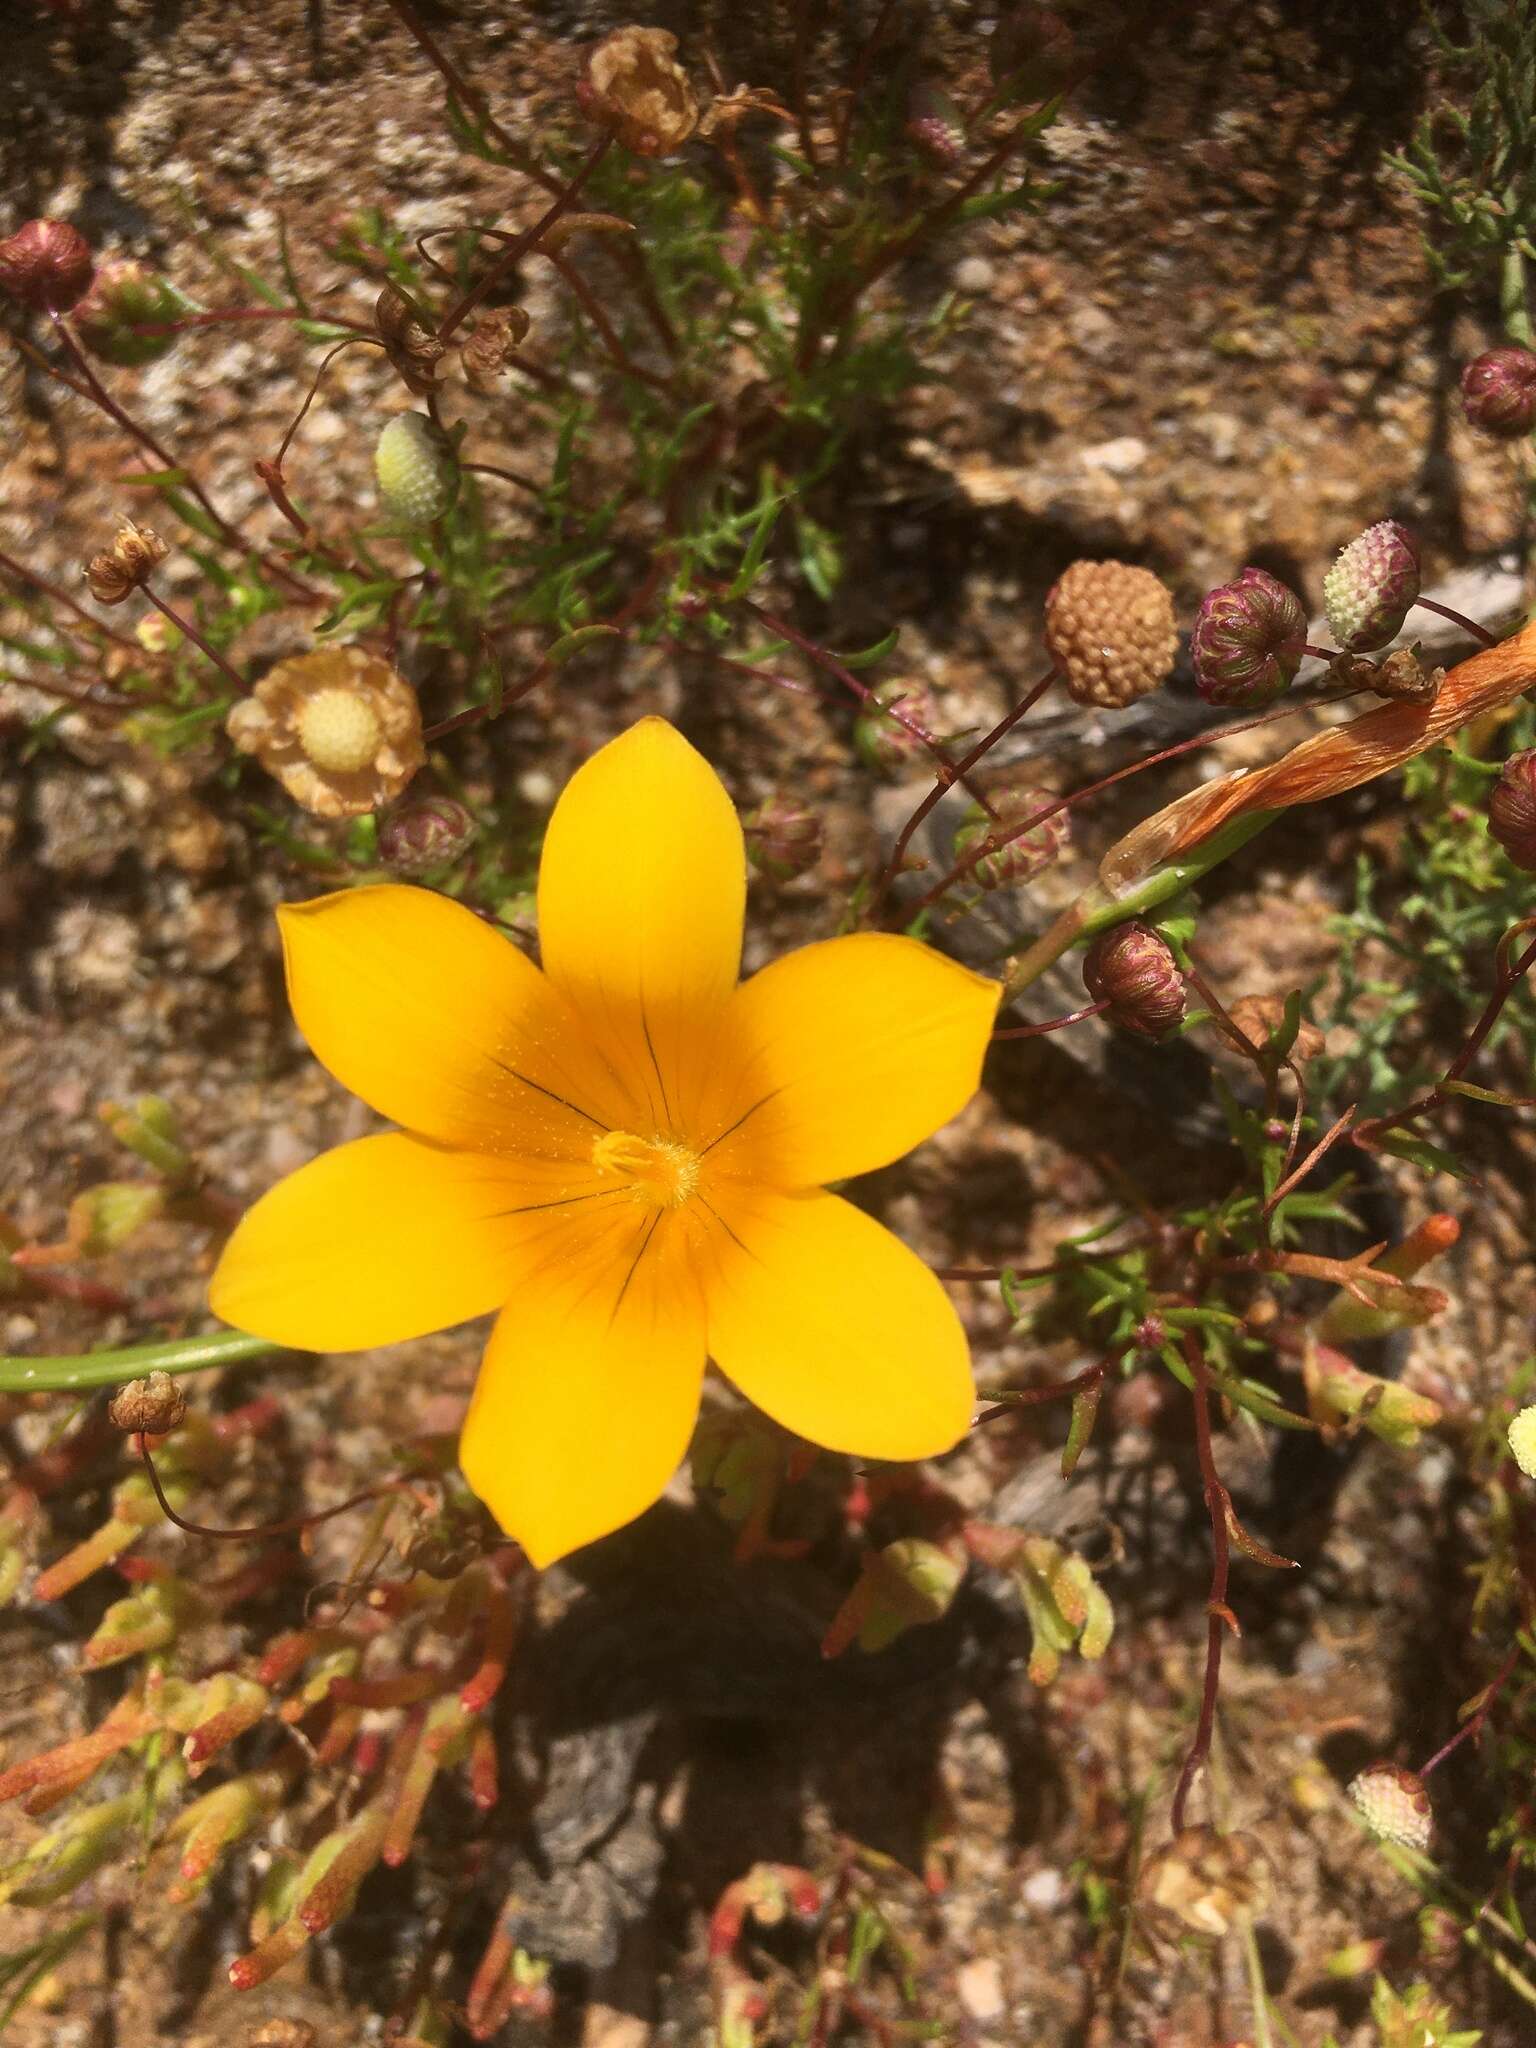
[(116, 1368)]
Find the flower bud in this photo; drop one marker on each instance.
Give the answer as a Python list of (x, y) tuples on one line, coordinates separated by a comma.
[(1134, 971), (1371, 587), (1021, 859), (936, 125), (1394, 1804), (413, 349), (419, 837), (118, 315), (783, 838), (153, 1406), (1512, 809), (1339, 1395), (1498, 392), (127, 565), (635, 87), (417, 475), (46, 265), (1109, 627), (882, 739), (1249, 637), (1522, 1441)]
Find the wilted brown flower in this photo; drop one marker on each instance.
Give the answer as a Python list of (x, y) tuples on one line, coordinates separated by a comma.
[(409, 342), (340, 729), (127, 565), (726, 111), (635, 86), (1259, 1017), (1399, 676), (492, 342), (1206, 1882), (1110, 631), (155, 1405)]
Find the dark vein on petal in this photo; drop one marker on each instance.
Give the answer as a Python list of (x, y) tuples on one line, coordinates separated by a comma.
[(560, 1202), (735, 1240), (633, 1265), (538, 1087), (661, 1079), (761, 1103)]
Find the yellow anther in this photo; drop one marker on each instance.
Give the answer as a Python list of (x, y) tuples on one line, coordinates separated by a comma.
[(658, 1170)]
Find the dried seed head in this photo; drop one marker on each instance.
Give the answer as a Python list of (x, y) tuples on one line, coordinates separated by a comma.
[(1402, 678), (1249, 637), (1133, 970), (1207, 1882), (1110, 630), (418, 477), (1522, 1441), (408, 339), (1020, 859), (491, 345), (127, 565), (883, 740), (1498, 392), (154, 1406), (118, 317), (635, 87), (1370, 588), (46, 265), (783, 838), (1512, 809), (1394, 1803), (340, 729), (419, 837)]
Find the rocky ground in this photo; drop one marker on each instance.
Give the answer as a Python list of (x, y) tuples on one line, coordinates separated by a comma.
[(1216, 344)]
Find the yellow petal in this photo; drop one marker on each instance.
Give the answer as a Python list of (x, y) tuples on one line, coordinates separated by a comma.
[(641, 893), (850, 1053), (831, 1326), (441, 1024), (588, 1392), (391, 1237)]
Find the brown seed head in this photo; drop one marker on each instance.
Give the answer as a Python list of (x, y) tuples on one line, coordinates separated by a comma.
[(1134, 971), (127, 565), (155, 1406), (340, 729), (1110, 630), (635, 87), (409, 342), (47, 265)]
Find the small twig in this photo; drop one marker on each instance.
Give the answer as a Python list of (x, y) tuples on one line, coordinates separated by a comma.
[(1220, 1616), (1472, 1727)]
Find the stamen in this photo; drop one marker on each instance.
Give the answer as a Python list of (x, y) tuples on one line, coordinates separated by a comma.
[(658, 1169)]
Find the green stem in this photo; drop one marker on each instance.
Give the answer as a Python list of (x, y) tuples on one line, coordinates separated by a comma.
[(1099, 907), (1514, 307), (116, 1368)]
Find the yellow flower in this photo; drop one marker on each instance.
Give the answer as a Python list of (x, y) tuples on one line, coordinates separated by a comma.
[(625, 1154)]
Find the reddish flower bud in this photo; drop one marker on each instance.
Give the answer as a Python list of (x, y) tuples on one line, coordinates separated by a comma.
[(1370, 588), (783, 838), (1512, 809), (1134, 971), (46, 264), (1021, 859), (883, 740), (1498, 392), (936, 125), (419, 837), (119, 316), (1394, 1804), (1249, 637)]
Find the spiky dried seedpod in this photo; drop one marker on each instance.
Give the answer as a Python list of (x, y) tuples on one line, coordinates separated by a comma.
[(417, 475), (153, 1406), (1249, 638), (409, 341), (125, 316), (635, 87), (783, 838), (1522, 1441), (118, 571), (1019, 859), (1110, 630), (1512, 809), (1371, 588), (1498, 392), (1394, 1804), (340, 729), (416, 838), (490, 347), (47, 265), (1132, 968)]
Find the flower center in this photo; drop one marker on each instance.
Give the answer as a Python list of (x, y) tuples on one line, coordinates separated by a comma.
[(658, 1170), (339, 731)]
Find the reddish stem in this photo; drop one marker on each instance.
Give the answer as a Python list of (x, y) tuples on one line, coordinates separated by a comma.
[(1479, 633), (1473, 1725), (1052, 1024), (260, 1530), (1217, 1503)]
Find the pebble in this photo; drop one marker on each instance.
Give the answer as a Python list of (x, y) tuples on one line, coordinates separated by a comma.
[(974, 275), (1121, 457), (979, 1988), (1044, 1890)]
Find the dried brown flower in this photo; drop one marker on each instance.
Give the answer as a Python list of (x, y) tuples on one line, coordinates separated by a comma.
[(635, 86), (726, 112), (1206, 1882), (340, 729), (409, 342), (1259, 1017), (155, 1405), (1110, 631), (488, 349), (127, 565)]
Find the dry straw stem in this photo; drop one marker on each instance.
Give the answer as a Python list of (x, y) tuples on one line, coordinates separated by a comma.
[(1190, 835)]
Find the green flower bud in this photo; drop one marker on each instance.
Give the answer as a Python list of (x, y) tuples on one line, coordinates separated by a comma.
[(417, 475), (118, 316)]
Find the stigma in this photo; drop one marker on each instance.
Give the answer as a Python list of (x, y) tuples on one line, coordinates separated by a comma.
[(659, 1170)]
